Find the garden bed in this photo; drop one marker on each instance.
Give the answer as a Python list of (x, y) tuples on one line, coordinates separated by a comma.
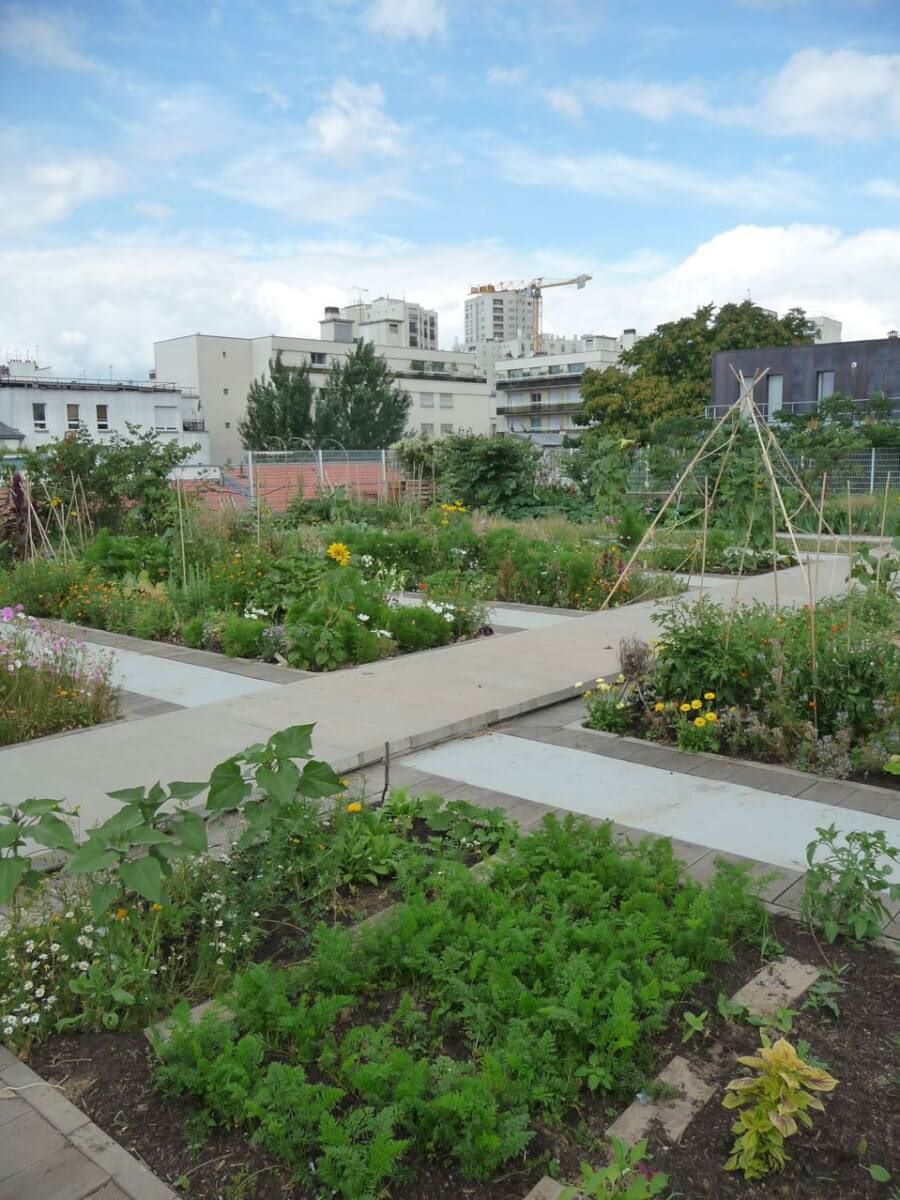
[(110, 1077)]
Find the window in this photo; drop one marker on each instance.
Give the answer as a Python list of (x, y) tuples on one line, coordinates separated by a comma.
[(165, 417), (426, 429), (535, 422), (393, 327), (774, 393), (446, 429), (824, 384), (446, 400), (426, 399), (575, 367), (437, 366), (536, 399), (39, 416), (224, 354), (102, 418), (224, 391), (318, 358), (72, 418)]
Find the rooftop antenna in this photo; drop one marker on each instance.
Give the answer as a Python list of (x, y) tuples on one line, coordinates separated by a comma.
[(360, 292)]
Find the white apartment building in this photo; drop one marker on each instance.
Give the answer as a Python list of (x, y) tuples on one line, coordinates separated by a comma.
[(388, 322), (539, 395), (40, 408), (494, 316), (824, 329), (449, 394)]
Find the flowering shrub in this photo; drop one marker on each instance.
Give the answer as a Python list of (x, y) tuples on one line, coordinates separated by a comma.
[(49, 683), (608, 707)]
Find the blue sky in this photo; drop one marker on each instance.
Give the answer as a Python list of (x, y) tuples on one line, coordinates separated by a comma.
[(233, 166)]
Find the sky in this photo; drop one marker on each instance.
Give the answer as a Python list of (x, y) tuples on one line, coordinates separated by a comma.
[(232, 166)]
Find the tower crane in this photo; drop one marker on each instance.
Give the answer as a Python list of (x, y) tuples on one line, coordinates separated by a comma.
[(533, 288)]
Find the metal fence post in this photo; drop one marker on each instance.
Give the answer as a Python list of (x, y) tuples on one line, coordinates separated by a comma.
[(384, 487), (321, 473), (872, 473), (250, 466)]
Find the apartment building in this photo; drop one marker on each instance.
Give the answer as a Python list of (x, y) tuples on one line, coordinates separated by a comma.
[(449, 394), (388, 322), (495, 316), (797, 378), (539, 395), (37, 408)]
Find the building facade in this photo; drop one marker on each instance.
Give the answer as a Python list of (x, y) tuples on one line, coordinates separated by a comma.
[(798, 377), (495, 316), (538, 396), (388, 322), (449, 394), (44, 409)]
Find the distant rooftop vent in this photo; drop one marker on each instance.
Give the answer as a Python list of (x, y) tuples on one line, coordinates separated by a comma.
[(331, 311), (892, 333)]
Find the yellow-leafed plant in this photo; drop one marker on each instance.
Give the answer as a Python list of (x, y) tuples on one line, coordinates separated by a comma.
[(772, 1101)]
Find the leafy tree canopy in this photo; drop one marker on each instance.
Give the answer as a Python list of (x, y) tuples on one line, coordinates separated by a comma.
[(667, 373), (361, 407), (279, 409)]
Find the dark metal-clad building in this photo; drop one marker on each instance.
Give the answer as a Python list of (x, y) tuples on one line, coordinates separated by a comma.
[(800, 376)]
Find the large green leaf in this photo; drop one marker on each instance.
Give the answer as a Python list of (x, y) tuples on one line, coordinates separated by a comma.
[(11, 872), (183, 790), (146, 836), (37, 808), (190, 829), (92, 856), (144, 876), (318, 779), (280, 783), (53, 832), (227, 787), (9, 833), (293, 742), (123, 821), (128, 795), (102, 896)]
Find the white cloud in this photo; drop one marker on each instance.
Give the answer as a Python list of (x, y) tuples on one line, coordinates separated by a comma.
[(42, 194), (882, 189), (47, 39), (563, 101), (119, 296), (152, 210), (839, 95), (625, 176), (506, 76), (276, 98), (406, 19), (352, 123)]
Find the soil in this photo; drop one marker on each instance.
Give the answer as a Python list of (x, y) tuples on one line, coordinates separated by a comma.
[(109, 1076)]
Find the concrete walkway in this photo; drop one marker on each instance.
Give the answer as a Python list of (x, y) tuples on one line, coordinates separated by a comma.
[(407, 702), (49, 1150)]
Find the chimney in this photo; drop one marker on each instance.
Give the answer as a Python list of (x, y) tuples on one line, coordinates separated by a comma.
[(334, 327)]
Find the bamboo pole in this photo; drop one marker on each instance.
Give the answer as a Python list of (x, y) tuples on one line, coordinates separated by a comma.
[(705, 527), (884, 508), (181, 533), (774, 550), (687, 470), (849, 562)]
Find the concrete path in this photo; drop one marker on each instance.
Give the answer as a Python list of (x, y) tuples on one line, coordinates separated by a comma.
[(49, 1150), (725, 816), (177, 682), (407, 702)]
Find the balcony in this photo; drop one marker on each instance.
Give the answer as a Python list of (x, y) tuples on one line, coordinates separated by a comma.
[(536, 410), (193, 425)]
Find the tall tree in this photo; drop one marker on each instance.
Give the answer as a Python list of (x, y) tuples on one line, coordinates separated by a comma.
[(279, 409), (667, 373), (360, 406)]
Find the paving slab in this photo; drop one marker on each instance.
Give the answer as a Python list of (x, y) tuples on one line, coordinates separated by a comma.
[(735, 820), (546, 1189), (778, 985), (25, 1141), (66, 1174), (691, 1092)]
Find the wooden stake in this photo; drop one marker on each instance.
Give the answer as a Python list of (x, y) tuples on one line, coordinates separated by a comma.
[(705, 525), (181, 533), (774, 549), (884, 508)]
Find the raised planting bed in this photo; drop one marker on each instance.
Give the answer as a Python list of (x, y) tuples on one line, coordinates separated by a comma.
[(479, 1031)]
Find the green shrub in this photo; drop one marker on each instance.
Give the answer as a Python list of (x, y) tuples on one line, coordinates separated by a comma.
[(192, 632), (418, 628), (243, 637)]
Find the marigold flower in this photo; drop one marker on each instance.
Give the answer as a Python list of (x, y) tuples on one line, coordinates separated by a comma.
[(711, 716), (339, 552), (684, 707), (354, 807), (709, 695), (696, 704), (156, 908), (699, 722), (121, 914), (659, 706)]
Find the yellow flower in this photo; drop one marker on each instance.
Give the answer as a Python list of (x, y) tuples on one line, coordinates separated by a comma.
[(354, 807), (345, 783), (339, 552), (696, 704), (620, 705), (699, 722), (121, 914), (604, 687), (156, 908), (620, 678), (709, 695), (659, 706), (684, 708), (579, 684), (711, 716)]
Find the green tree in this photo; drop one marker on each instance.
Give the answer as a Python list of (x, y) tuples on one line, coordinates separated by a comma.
[(493, 473), (361, 407), (279, 409), (667, 373)]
